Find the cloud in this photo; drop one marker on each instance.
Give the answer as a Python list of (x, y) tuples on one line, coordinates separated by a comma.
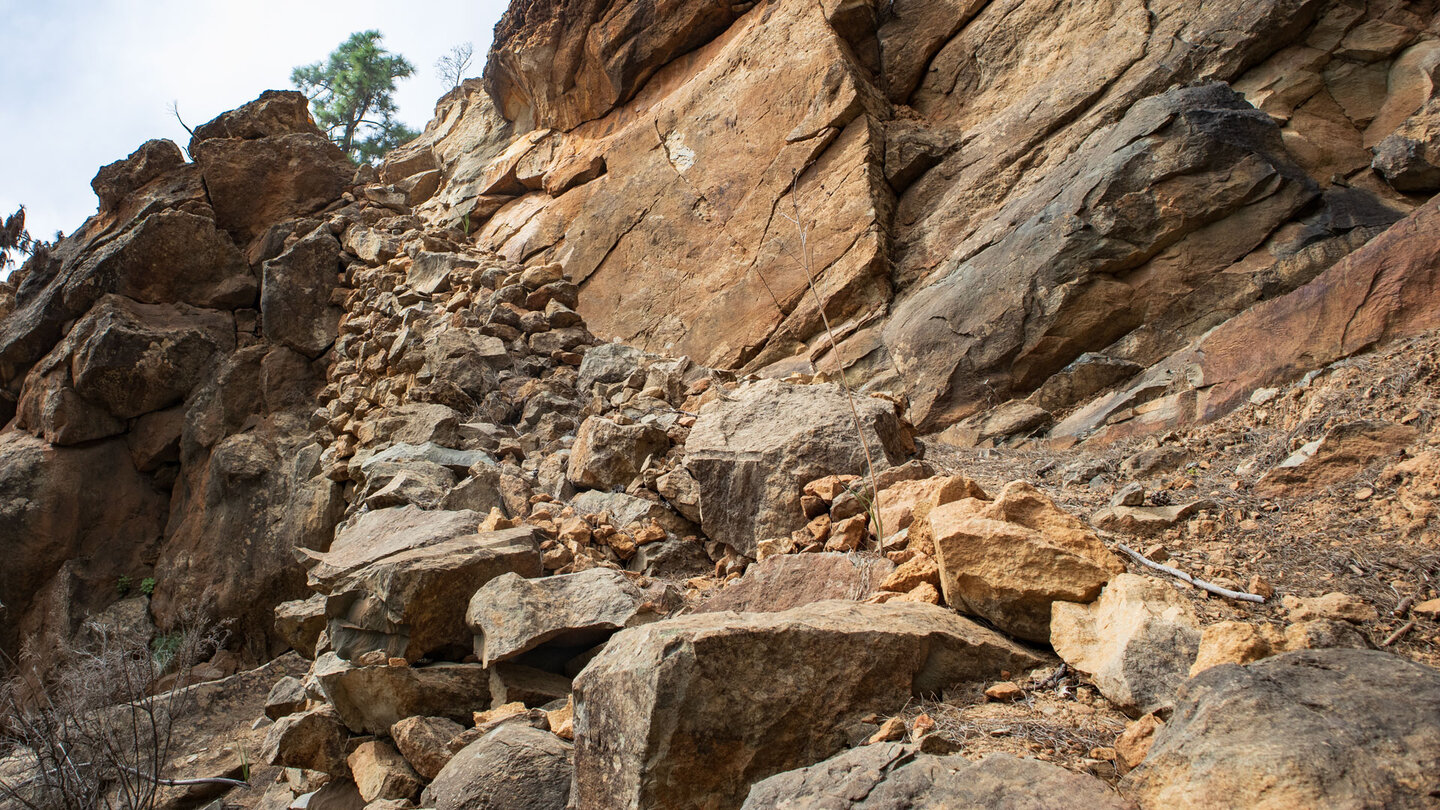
[(88, 82)]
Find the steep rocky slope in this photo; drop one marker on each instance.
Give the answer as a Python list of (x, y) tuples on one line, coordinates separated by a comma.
[(775, 404)]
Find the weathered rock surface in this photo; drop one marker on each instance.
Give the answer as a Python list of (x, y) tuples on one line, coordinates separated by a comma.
[(1335, 734), (1009, 559), (511, 615), (1343, 452), (412, 604), (752, 454), (1137, 641), (691, 711), (513, 767), (314, 740), (788, 581), (381, 773), (265, 163), (371, 699), (893, 776), (74, 520), (424, 742), (608, 455), (295, 294)]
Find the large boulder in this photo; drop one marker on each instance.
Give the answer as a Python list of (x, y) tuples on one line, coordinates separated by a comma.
[(512, 767), (295, 294), (890, 776), (1317, 728), (752, 453), (424, 742), (609, 455), (1008, 559), (372, 699), (264, 164), (116, 181), (159, 255), (313, 740), (511, 615), (690, 711), (411, 604), (1137, 642), (122, 360), (274, 113)]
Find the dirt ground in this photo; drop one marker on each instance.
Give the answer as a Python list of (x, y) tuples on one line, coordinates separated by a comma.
[(1373, 535)]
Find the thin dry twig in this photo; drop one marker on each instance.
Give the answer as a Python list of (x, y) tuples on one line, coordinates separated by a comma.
[(1401, 631), (1199, 583)]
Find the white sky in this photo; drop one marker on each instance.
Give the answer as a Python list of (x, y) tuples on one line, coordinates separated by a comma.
[(85, 82)]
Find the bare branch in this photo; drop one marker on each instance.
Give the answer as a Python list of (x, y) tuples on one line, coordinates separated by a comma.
[(1199, 583)]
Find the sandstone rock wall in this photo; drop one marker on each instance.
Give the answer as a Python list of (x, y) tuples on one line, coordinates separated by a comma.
[(985, 191)]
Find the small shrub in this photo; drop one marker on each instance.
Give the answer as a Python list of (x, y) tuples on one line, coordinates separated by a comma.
[(147, 586), (123, 585)]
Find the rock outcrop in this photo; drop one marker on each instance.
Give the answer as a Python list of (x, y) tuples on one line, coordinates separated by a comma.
[(691, 711), (620, 440)]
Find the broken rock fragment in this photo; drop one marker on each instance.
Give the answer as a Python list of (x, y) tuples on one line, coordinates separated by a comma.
[(1137, 641), (1008, 559), (691, 711), (511, 615)]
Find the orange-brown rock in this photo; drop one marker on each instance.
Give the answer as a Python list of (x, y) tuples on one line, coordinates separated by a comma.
[(1008, 559)]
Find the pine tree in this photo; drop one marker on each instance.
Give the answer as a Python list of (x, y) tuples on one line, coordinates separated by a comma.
[(351, 94)]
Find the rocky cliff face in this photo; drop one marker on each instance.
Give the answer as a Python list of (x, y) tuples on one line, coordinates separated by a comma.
[(986, 192), (614, 442)]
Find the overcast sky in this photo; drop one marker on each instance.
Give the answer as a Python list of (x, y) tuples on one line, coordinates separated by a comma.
[(85, 82)]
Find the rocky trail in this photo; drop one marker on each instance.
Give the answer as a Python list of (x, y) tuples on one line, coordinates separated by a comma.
[(526, 473)]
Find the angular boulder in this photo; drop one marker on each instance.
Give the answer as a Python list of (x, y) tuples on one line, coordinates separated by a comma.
[(254, 183), (424, 741), (607, 454), (1316, 728), (512, 767), (1008, 559), (371, 699), (295, 294), (412, 604), (752, 453), (1137, 641), (314, 740), (511, 615), (136, 358), (890, 776), (691, 711), (381, 773)]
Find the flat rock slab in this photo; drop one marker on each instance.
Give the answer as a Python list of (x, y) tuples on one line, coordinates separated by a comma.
[(689, 712), (381, 533), (891, 776), (788, 581), (511, 615), (412, 604), (1342, 453), (372, 699), (1315, 728)]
